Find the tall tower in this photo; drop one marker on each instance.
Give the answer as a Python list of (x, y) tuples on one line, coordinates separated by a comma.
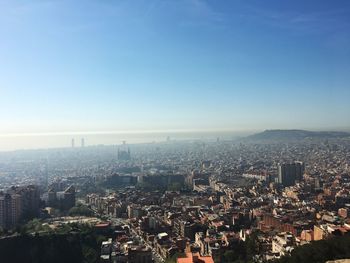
[(73, 144), (299, 170), (10, 210), (124, 152), (47, 173), (82, 142), (289, 173)]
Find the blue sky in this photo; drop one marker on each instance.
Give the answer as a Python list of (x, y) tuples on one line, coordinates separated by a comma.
[(173, 65)]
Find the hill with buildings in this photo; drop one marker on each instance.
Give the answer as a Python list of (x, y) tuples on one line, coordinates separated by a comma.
[(295, 135)]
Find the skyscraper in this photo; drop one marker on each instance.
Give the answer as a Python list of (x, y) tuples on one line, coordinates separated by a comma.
[(10, 210), (82, 142), (289, 173), (124, 152), (73, 143), (300, 169)]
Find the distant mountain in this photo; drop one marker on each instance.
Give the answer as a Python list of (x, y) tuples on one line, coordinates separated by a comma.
[(292, 135)]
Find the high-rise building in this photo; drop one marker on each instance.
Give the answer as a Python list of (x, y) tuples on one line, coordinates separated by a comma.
[(69, 197), (18, 203), (10, 210), (124, 154), (289, 173), (30, 199), (82, 142), (64, 200), (73, 143), (300, 169), (46, 173)]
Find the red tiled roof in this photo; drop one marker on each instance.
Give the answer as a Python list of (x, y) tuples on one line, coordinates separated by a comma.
[(195, 258)]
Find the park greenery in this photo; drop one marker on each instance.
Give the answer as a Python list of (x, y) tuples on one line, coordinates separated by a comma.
[(39, 243), (80, 210), (320, 251)]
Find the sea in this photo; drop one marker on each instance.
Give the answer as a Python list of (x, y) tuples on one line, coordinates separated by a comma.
[(10, 142)]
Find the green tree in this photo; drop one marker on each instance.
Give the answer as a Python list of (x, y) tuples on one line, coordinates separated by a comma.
[(80, 210)]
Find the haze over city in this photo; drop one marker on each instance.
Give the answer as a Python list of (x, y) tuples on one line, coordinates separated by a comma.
[(174, 131), (188, 65)]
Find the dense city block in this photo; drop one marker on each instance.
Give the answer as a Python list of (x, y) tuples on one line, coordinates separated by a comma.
[(255, 199)]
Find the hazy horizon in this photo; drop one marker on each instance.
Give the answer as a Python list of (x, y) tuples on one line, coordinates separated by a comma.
[(195, 65), (63, 140), (31, 141)]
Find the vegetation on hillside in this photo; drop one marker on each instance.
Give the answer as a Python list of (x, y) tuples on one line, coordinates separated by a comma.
[(320, 251), (80, 210), (40, 244)]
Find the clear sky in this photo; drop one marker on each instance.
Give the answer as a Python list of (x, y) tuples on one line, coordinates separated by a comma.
[(173, 65)]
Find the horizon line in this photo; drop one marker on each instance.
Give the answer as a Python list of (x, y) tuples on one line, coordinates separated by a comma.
[(66, 133)]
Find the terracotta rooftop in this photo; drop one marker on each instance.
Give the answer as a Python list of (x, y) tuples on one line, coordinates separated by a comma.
[(195, 258)]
